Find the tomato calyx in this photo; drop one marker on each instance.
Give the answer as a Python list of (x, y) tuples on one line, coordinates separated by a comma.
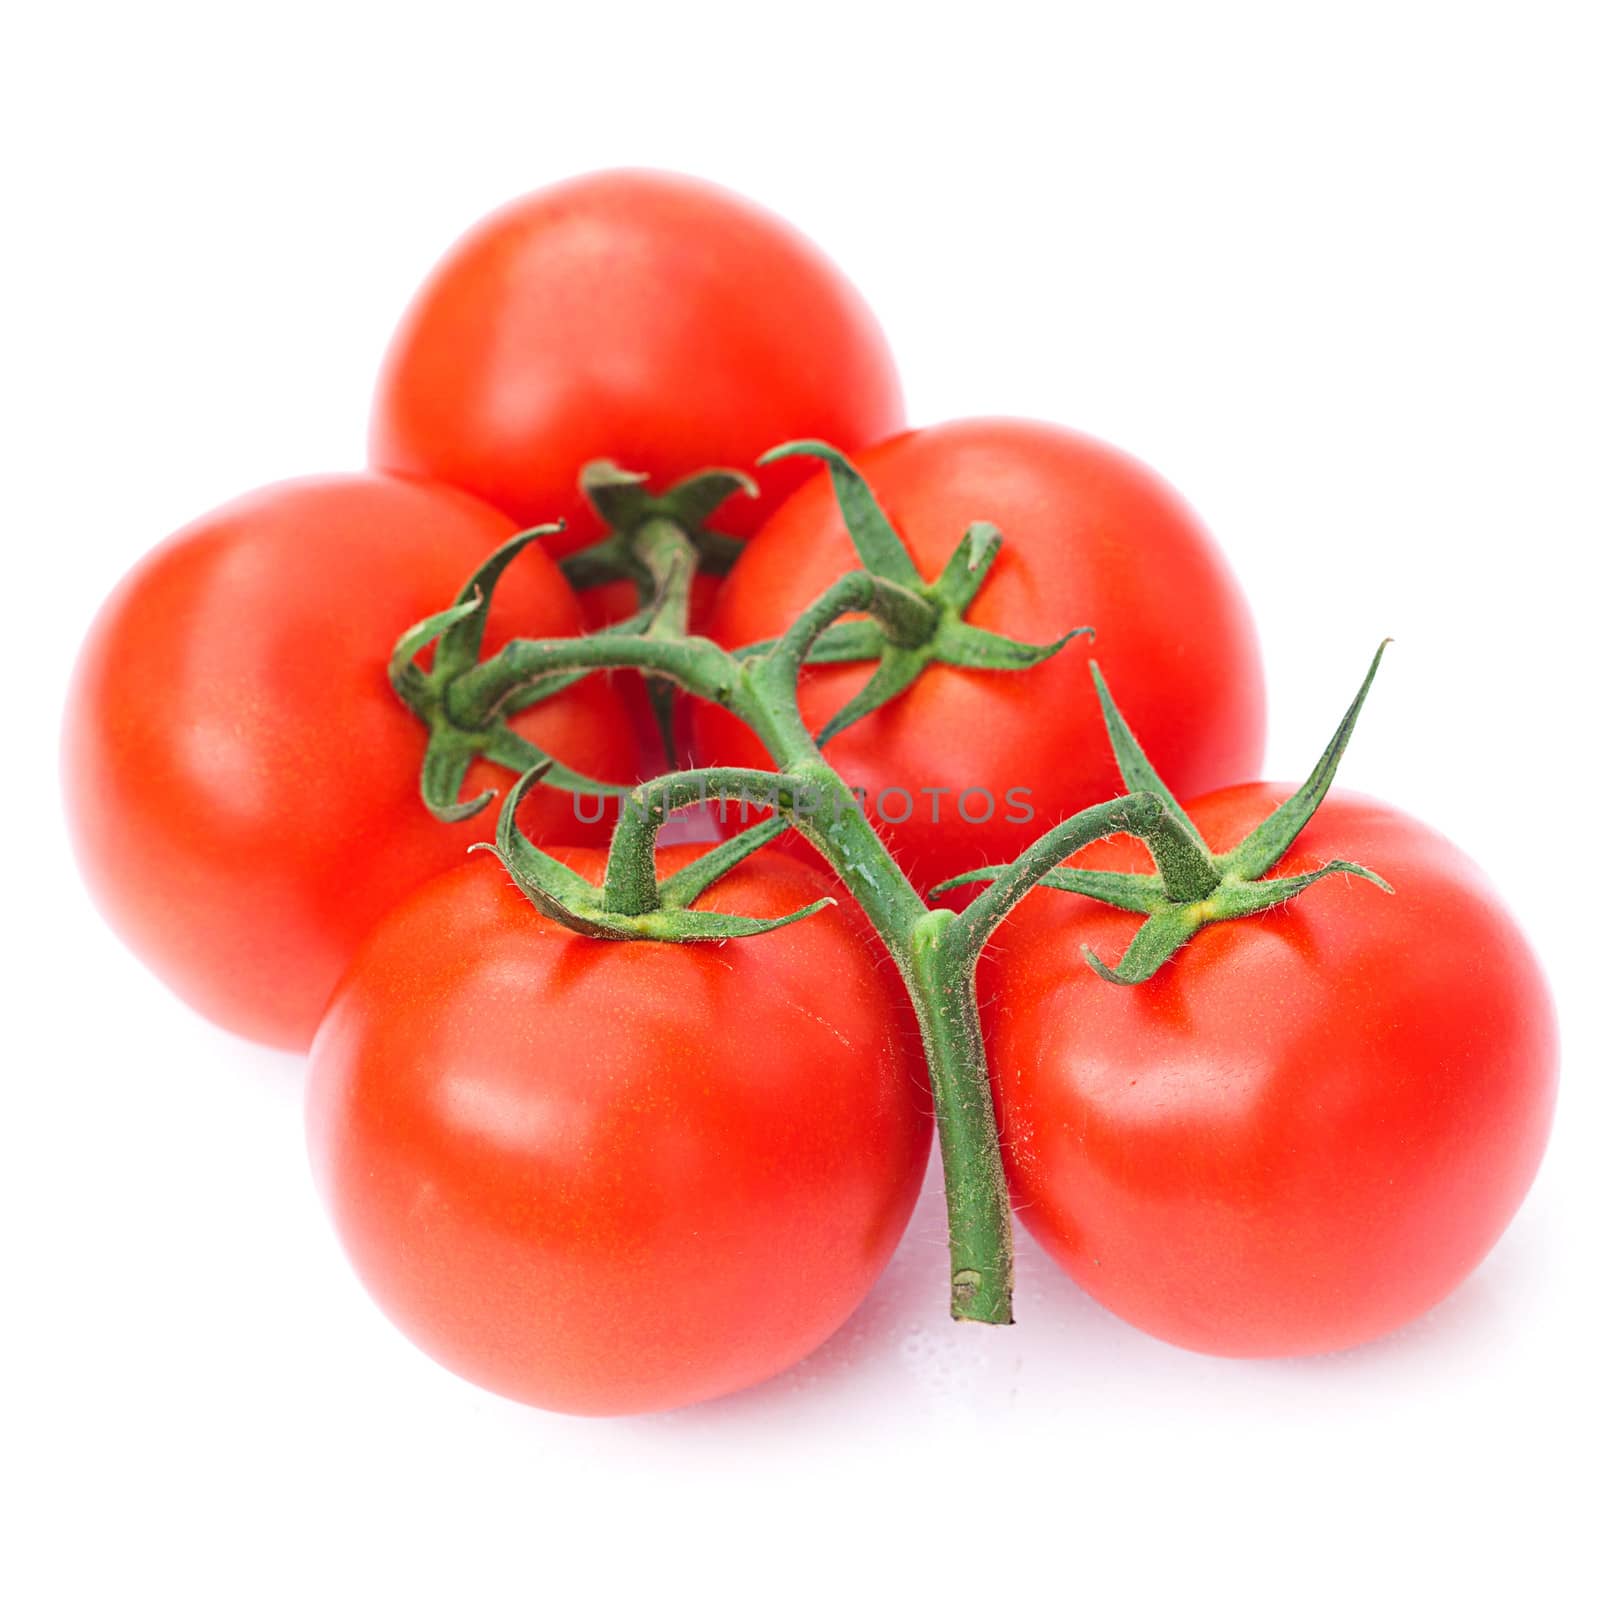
[(633, 903), (945, 638), (623, 503), (658, 543), (1192, 885), (456, 635)]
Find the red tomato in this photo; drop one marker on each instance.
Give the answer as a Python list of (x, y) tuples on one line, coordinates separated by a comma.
[(604, 1176), (1090, 537), (242, 783), (1311, 1124), (647, 318)]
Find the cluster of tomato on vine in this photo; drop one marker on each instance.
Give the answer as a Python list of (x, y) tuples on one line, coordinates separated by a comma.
[(377, 764)]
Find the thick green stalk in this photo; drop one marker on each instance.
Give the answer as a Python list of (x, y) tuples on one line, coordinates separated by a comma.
[(976, 1200), (668, 554), (693, 664), (833, 820)]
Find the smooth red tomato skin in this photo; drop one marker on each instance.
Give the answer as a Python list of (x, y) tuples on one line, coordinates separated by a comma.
[(241, 782), (1090, 537), (1311, 1125), (644, 317), (607, 1177)]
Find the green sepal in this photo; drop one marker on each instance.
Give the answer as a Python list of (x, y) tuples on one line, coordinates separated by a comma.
[(505, 747), (955, 643), (1192, 886), (1258, 895), (1266, 846), (456, 635), (457, 632), (624, 504), (619, 497), (687, 884), (959, 644), (1168, 927), (880, 548), (968, 565), (461, 644), (896, 671), (854, 639), (674, 926), (691, 501), (406, 678), (1128, 891), (941, 636), (1132, 762), (567, 897), (445, 764), (1158, 938), (550, 884)]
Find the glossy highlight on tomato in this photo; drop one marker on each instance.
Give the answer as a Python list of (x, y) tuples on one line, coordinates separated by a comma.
[(1311, 1124), (241, 781), (607, 1176), (1090, 537), (642, 317)]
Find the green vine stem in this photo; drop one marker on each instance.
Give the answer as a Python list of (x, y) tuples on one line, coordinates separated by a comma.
[(977, 1202), (884, 611)]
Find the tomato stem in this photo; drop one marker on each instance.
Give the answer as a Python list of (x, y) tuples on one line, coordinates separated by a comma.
[(631, 888), (623, 503), (660, 543), (477, 696), (943, 991)]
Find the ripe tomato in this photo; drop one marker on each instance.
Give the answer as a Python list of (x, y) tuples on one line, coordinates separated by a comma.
[(1090, 537), (607, 1176), (1305, 1129), (242, 783), (647, 318)]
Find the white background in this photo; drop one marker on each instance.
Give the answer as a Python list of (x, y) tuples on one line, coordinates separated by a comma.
[(1332, 270)]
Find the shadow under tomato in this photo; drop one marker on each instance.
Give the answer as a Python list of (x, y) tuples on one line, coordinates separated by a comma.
[(900, 1351), (902, 1343)]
